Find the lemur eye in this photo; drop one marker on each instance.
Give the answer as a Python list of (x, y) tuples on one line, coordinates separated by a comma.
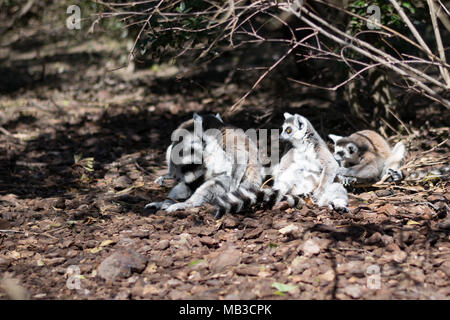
[(288, 130), (351, 150)]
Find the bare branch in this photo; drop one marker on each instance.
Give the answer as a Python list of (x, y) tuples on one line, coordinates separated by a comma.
[(444, 71)]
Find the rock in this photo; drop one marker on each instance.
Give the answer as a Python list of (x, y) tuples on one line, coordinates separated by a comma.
[(353, 291), (121, 264), (253, 233), (387, 240), (310, 248), (59, 203), (288, 229), (4, 262), (4, 224), (165, 261), (162, 245), (136, 233), (229, 257), (374, 238), (445, 224), (123, 295), (417, 275), (13, 288), (54, 261), (178, 295), (393, 247), (445, 267), (327, 276), (399, 256), (384, 193), (300, 264), (122, 182), (352, 268), (126, 242), (246, 270), (435, 198), (208, 241)]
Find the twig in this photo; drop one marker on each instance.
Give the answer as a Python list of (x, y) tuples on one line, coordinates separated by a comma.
[(140, 32), (437, 34), (416, 34), (384, 58), (10, 231)]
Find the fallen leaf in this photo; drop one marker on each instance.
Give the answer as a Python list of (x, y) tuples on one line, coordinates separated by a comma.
[(288, 229), (193, 263), (281, 287), (106, 243), (94, 250)]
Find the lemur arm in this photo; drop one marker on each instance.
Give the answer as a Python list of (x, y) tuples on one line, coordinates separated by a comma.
[(205, 193), (180, 191), (360, 171), (367, 169), (329, 171)]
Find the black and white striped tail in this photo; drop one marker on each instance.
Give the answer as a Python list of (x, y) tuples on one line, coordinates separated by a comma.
[(271, 197), (235, 201), (245, 197)]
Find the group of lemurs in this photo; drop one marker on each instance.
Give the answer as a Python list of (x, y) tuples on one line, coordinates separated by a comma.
[(231, 180)]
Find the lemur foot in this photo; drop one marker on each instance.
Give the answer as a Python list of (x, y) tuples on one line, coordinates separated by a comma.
[(339, 205), (394, 175), (178, 206), (346, 181), (160, 180), (152, 207)]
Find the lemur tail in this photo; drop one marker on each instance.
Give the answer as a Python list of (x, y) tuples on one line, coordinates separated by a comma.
[(271, 197), (243, 197)]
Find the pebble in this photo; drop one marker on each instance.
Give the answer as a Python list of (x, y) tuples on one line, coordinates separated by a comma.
[(121, 264)]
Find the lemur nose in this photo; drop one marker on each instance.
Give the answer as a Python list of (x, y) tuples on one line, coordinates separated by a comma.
[(340, 153)]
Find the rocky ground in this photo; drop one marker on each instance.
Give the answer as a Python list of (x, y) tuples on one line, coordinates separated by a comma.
[(81, 146)]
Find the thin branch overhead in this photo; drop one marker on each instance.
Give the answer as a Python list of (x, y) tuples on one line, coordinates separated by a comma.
[(206, 28)]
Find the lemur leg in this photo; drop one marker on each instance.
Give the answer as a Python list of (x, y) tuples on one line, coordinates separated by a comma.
[(180, 192), (346, 181), (238, 173), (204, 194), (335, 196), (327, 177), (282, 186), (361, 172), (160, 180), (393, 163)]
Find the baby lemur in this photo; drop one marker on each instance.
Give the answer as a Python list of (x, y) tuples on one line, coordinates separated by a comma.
[(365, 156), (213, 163), (307, 168)]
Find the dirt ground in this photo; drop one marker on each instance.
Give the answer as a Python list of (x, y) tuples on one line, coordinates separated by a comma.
[(80, 148)]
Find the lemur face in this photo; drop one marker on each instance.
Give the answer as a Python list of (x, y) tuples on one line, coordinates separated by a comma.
[(294, 127), (344, 150)]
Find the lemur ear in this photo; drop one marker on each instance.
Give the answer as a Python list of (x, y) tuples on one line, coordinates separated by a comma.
[(219, 117), (287, 115), (197, 117), (334, 137), (298, 121)]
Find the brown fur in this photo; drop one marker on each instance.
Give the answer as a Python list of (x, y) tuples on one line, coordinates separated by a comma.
[(371, 146)]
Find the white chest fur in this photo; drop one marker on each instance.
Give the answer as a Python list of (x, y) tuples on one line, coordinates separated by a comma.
[(300, 169), (216, 159)]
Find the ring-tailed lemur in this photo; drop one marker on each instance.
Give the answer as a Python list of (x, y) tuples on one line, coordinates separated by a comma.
[(222, 157), (366, 156), (188, 171), (306, 169)]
